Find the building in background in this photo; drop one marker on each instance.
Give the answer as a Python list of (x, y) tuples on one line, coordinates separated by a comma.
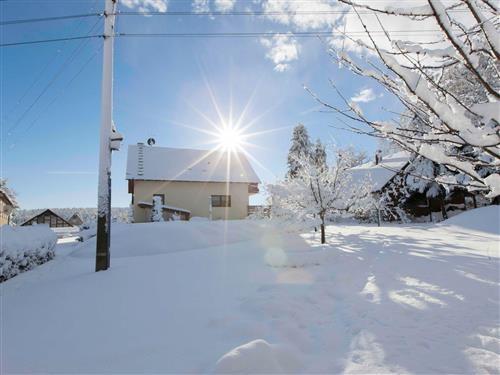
[(190, 183), (7, 204), (49, 218)]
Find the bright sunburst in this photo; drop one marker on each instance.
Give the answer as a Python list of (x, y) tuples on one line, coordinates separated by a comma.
[(230, 138)]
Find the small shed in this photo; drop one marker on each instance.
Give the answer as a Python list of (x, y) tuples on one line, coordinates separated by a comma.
[(48, 217), (75, 220)]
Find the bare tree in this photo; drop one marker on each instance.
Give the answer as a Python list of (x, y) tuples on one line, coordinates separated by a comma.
[(449, 90)]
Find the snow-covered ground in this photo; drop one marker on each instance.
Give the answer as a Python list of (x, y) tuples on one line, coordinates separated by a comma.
[(243, 297)]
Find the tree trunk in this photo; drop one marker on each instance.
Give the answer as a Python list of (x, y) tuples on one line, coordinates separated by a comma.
[(430, 209), (443, 209), (322, 227)]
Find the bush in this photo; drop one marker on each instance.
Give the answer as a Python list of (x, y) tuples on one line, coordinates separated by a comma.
[(23, 248)]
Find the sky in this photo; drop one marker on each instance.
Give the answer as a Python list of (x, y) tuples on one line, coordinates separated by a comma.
[(165, 88)]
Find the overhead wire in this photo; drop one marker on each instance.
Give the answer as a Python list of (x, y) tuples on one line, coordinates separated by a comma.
[(44, 69), (54, 78)]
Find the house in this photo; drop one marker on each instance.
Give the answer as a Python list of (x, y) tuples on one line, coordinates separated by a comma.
[(393, 173), (7, 205), (48, 217), (191, 183), (75, 220)]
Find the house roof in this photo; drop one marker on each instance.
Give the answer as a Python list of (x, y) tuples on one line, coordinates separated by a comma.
[(382, 173), (5, 192), (43, 212), (176, 164)]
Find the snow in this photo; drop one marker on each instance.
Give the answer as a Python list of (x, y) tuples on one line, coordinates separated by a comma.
[(175, 164), (381, 174), (23, 248), (200, 297)]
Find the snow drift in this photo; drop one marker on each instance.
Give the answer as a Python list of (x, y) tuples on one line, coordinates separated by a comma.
[(484, 219), (23, 248)]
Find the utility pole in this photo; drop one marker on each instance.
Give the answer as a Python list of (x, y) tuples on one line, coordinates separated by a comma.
[(102, 260)]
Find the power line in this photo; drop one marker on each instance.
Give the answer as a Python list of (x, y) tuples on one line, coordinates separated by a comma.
[(44, 69), (54, 78), (50, 40), (44, 19), (300, 34), (58, 95), (253, 13)]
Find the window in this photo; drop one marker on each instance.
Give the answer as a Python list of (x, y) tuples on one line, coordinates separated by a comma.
[(162, 196), (221, 201)]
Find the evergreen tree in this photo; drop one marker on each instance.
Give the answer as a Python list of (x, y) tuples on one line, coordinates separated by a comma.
[(319, 155), (300, 148)]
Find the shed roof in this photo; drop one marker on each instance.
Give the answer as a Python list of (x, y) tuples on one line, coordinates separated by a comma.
[(383, 172), (176, 164)]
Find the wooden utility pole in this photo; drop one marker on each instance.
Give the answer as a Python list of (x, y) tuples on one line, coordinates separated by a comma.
[(102, 260)]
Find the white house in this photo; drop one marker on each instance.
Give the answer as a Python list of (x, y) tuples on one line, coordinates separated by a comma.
[(202, 183)]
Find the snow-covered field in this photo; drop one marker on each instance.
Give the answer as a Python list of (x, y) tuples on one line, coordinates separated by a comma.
[(243, 297)]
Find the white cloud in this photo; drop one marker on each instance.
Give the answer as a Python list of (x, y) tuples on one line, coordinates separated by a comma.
[(295, 13), (201, 6), (146, 5), (364, 96), (224, 5), (283, 49)]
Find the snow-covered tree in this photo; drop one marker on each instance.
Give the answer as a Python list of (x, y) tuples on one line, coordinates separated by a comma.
[(130, 214), (316, 191), (319, 155), (157, 210), (300, 149), (450, 89)]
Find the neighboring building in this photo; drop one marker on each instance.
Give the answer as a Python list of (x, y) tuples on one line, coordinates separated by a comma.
[(48, 217), (394, 174), (75, 220), (191, 183), (7, 205)]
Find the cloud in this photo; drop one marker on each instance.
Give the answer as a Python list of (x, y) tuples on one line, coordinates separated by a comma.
[(295, 13), (224, 5), (201, 6), (283, 49), (146, 5), (364, 96)]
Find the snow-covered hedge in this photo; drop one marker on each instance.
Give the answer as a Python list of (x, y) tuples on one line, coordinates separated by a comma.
[(23, 248)]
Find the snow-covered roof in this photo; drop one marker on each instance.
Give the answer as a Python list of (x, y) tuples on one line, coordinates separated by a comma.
[(383, 172), (176, 164), (9, 196)]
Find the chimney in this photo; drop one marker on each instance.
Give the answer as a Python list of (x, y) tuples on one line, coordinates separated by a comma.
[(378, 157)]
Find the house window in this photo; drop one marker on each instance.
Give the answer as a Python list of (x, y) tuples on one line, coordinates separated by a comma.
[(221, 201), (162, 197)]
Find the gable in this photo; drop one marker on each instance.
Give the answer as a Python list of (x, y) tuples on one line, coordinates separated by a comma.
[(48, 217), (379, 175), (173, 164)]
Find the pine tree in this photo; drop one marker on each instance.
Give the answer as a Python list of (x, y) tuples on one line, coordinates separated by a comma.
[(319, 155), (300, 148)]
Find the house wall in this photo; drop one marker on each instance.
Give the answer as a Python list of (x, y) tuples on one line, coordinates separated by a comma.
[(193, 196), (5, 211)]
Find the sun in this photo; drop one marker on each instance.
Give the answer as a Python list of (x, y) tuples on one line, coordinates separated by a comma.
[(229, 138)]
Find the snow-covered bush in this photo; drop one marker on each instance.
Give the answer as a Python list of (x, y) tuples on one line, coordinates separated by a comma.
[(23, 248), (157, 211)]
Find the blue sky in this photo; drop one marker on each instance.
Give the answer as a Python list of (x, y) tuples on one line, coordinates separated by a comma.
[(49, 151)]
